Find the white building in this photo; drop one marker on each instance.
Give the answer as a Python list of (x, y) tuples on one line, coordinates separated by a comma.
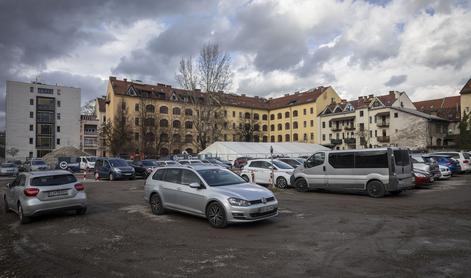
[(89, 134), (41, 118)]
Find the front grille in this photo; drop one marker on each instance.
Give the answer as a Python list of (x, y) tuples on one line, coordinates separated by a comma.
[(261, 214), (259, 201)]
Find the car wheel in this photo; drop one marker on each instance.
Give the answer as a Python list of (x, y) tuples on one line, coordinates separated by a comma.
[(23, 219), (216, 215), (81, 211), (301, 185), (375, 189), (281, 183), (112, 178), (97, 176), (396, 192), (6, 208), (156, 204), (245, 178)]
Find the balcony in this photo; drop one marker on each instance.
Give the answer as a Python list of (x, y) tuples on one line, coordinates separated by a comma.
[(382, 124), (350, 128), (91, 133), (336, 128), (335, 141), (383, 139), (350, 141)]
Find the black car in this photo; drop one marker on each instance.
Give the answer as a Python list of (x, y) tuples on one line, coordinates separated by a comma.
[(143, 168)]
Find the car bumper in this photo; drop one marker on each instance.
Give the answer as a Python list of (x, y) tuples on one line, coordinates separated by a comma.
[(252, 213), (423, 180), (402, 184), (34, 206), (124, 175)]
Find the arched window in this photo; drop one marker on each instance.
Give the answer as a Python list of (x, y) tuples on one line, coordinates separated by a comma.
[(256, 116), (286, 126), (264, 117), (149, 122), (272, 138), (280, 138), (188, 125), (280, 127), (264, 127), (163, 123), (163, 137), (295, 137), (265, 138), (287, 114), (256, 127), (176, 111), (279, 116), (176, 124), (287, 138), (150, 108), (295, 125), (256, 138), (176, 151), (295, 113), (163, 151), (163, 110), (189, 151), (188, 112), (176, 138), (272, 127), (149, 137), (272, 117), (247, 115), (188, 138)]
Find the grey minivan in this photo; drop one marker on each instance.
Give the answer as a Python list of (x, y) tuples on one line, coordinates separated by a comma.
[(376, 171)]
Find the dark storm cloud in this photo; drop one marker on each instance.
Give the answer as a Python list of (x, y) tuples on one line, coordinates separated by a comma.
[(396, 80)]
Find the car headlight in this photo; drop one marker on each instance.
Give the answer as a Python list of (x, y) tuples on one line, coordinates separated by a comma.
[(238, 202), (117, 169)]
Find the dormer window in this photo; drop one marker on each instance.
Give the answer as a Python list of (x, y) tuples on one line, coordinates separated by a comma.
[(131, 92)]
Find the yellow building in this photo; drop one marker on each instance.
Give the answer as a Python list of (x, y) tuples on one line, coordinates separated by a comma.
[(160, 113), (465, 101)]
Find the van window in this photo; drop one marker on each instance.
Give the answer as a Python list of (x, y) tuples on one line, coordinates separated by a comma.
[(158, 176), (374, 159), (341, 160), (315, 160), (173, 175), (401, 157)]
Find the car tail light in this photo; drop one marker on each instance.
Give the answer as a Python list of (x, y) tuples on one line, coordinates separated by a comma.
[(79, 187), (466, 161), (31, 191)]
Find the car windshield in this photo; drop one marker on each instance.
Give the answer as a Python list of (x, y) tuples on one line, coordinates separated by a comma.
[(148, 163), (281, 165), (118, 163), (418, 159), (220, 177), (38, 162), (53, 180), (8, 165)]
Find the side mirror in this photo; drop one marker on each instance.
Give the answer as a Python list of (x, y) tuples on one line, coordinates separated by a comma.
[(195, 185), (271, 167), (305, 164)]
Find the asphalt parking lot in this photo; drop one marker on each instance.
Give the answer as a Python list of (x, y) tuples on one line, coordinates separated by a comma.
[(423, 233)]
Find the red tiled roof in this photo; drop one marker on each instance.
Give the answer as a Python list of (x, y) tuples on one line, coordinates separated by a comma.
[(162, 91), (447, 107), (466, 88), (365, 101), (101, 104)]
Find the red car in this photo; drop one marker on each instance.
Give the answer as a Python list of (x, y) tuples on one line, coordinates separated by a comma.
[(422, 178)]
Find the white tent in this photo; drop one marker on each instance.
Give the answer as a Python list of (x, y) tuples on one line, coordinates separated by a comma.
[(233, 150)]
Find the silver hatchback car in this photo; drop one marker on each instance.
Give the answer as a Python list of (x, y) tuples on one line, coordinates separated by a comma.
[(211, 192), (37, 193)]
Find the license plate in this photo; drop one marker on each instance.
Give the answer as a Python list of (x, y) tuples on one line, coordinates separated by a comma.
[(127, 174), (57, 193), (265, 209)]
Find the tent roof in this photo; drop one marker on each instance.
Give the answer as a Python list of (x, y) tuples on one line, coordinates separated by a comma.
[(51, 158)]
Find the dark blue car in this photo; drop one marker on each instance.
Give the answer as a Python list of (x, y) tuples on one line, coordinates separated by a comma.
[(448, 161)]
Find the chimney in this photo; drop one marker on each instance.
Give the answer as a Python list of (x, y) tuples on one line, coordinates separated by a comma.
[(196, 90), (286, 95), (125, 79), (360, 98), (169, 86), (296, 93), (256, 97), (370, 96), (270, 98), (160, 84), (243, 95), (112, 78), (391, 93)]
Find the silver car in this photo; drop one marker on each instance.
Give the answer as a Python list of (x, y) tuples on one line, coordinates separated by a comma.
[(35, 193), (8, 169), (211, 192), (36, 164)]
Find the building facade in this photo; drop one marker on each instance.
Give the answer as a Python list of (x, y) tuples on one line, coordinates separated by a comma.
[(100, 112), (89, 134), (160, 113), (41, 118), (465, 98), (380, 121)]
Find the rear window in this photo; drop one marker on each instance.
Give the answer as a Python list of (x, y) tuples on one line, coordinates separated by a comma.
[(53, 180), (375, 159), (401, 157)]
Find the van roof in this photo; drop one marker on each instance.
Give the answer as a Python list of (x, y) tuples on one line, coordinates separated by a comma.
[(367, 150)]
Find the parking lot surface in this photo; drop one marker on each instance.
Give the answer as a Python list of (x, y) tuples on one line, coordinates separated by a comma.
[(422, 233)]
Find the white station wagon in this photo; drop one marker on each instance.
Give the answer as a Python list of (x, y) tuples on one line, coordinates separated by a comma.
[(259, 171)]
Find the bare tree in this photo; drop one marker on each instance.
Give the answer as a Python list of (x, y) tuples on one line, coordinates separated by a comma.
[(89, 108), (213, 75), (118, 135), (12, 151), (248, 127)]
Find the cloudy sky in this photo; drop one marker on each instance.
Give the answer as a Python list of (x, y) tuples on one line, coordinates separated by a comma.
[(358, 47)]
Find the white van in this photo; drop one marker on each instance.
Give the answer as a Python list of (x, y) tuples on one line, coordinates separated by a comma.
[(87, 162), (259, 171), (376, 171)]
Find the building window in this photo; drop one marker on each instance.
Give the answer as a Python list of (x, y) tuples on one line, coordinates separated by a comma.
[(305, 124), (304, 111), (247, 115), (312, 123), (58, 128), (31, 89), (265, 128), (188, 125), (323, 124), (396, 115), (295, 126), (256, 116), (295, 137), (136, 107), (31, 115), (176, 124), (305, 137), (279, 116), (58, 141), (323, 137), (163, 110), (163, 123), (287, 138), (272, 117), (280, 138), (31, 128), (45, 91), (272, 128), (312, 110), (280, 127), (264, 117), (272, 138), (176, 111), (295, 114), (31, 141), (136, 121), (371, 120), (58, 103), (58, 116), (286, 126), (361, 113), (31, 101), (312, 135), (233, 114), (286, 114)]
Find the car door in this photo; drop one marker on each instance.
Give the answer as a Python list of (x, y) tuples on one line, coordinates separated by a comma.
[(17, 191), (315, 170), (105, 169), (191, 199), (264, 172), (10, 192), (170, 187)]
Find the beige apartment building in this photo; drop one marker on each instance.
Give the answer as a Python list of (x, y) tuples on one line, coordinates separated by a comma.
[(380, 121), (89, 134)]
